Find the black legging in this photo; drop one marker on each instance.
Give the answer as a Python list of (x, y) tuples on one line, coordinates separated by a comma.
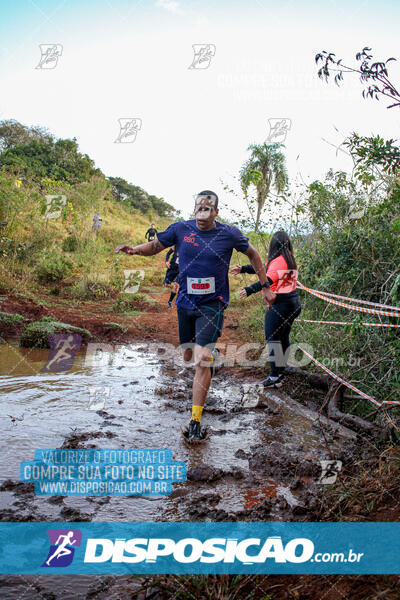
[(278, 323)]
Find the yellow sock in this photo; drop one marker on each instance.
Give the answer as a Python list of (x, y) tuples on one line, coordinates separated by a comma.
[(196, 412)]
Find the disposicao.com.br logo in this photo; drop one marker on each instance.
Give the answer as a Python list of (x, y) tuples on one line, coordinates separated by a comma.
[(248, 551), (230, 551)]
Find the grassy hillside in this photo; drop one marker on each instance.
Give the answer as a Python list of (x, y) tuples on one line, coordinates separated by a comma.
[(62, 256)]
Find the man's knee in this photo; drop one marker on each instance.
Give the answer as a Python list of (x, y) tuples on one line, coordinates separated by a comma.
[(202, 357)]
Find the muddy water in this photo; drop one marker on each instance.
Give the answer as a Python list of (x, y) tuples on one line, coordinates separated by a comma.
[(259, 462)]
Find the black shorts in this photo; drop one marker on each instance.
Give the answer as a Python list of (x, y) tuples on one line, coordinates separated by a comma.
[(171, 275), (203, 325)]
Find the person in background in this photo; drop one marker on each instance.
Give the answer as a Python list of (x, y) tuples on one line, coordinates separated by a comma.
[(282, 275), (151, 233), (96, 222), (172, 274)]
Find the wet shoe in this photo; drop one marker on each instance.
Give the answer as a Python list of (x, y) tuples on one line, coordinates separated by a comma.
[(275, 382), (170, 304), (194, 432), (290, 370)]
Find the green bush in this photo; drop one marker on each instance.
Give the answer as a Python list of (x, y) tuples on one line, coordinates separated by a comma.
[(124, 305), (36, 335), (90, 290), (357, 257), (128, 303), (114, 327), (48, 319), (70, 244), (53, 267), (10, 247), (9, 322)]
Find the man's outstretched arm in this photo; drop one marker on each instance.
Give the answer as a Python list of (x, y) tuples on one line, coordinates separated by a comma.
[(147, 249), (259, 268)]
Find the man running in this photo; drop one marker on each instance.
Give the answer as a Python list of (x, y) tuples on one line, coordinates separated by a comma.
[(172, 273), (205, 248), (150, 233)]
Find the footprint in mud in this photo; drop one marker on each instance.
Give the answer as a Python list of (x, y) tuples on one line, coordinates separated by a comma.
[(76, 439), (221, 431), (110, 424), (72, 514), (56, 499), (98, 500), (203, 472)]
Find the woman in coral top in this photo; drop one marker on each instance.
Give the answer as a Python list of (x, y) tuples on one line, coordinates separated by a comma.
[(282, 276)]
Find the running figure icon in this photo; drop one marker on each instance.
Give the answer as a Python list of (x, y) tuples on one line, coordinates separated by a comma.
[(62, 352), (62, 549), (63, 545)]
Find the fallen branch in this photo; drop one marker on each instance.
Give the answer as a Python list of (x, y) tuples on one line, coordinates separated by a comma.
[(352, 421), (317, 380), (335, 401)]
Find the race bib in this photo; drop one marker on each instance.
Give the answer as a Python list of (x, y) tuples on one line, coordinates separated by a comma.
[(200, 285)]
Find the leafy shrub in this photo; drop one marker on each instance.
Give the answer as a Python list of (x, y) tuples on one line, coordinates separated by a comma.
[(70, 244), (112, 327), (48, 319), (9, 322), (53, 267), (124, 305), (90, 290), (128, 303), (10, 247), (36, 335)]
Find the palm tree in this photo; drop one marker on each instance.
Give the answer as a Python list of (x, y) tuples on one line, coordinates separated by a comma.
[(265, 168)]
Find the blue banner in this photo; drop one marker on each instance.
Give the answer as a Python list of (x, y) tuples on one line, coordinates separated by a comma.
[(240, 547), (104, 472)]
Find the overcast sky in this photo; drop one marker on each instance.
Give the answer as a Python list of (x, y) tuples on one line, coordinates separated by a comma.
[(130, 60)]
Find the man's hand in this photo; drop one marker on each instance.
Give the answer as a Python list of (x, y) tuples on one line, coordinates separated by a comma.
[(168, 264), (242, 293), (125, 248), (269, 296), (235, 270), (148, 249)]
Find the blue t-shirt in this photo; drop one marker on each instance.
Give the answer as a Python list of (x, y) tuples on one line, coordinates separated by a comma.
[(204, 258)]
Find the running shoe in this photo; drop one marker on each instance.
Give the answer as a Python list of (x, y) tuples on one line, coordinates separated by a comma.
[(170, 304), (275, 382), (194, 432)]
